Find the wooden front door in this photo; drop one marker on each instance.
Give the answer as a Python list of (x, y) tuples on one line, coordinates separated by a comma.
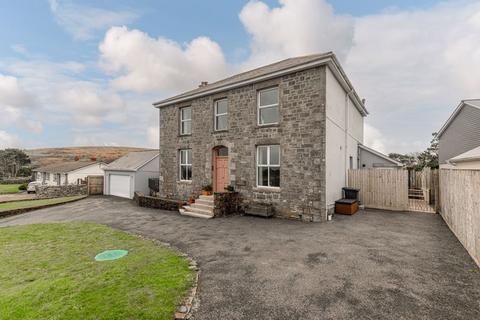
[(220, 172)]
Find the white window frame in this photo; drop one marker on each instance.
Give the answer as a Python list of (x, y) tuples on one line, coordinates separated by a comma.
[(267, 106), (185, 120), (186, 164), (268, 165), (216, 114)]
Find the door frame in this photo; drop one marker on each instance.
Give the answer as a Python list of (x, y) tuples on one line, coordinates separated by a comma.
[(214, 166)]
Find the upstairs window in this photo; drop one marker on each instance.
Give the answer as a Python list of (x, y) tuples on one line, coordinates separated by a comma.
[(186, 120), (268, 166), (268, 106), (185, 173), (221, 115)]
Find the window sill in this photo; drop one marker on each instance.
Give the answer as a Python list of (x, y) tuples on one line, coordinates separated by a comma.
[(184, 181), (220, 131), (185, 135), (267, 189), (270, 125)]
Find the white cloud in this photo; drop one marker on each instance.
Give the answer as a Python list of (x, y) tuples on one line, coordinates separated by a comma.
[(141, 63), (296, 27), (85, 22), (12, 94), (374, 139), (8, 140), (153, 134), (412, 66), (89, 102)]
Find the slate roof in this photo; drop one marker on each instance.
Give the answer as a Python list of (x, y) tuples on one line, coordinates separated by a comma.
[(65, 167), (470, 155), (259, 72), (132, 161)]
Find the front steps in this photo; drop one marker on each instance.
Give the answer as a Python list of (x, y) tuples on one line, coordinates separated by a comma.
[(202, 208)]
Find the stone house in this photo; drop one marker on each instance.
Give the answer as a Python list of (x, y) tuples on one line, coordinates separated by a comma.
[(283, 134)]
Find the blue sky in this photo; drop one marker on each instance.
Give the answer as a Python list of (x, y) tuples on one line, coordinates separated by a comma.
[(80, 73)]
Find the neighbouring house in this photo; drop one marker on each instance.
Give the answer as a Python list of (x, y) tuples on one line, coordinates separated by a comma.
[(130, 173), (460, 134), (283, 134), (466, 160), (65, 173), (369, 158)]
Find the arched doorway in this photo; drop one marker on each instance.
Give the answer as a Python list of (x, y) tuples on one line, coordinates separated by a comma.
[(221, 174)]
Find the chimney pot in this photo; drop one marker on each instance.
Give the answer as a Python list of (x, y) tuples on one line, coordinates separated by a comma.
[(203, 84)]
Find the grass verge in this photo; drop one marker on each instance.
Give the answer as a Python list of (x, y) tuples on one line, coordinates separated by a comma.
[(9, 188), (6, 206), (48, 272)]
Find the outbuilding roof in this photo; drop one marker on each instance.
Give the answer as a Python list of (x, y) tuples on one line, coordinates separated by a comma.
[(475, 103), (65, 167), (470, 155), (270, 71), (132, 161), (381, 155)]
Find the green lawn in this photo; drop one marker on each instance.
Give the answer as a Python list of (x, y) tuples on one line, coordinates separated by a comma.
[(35, 203), (49, 272), (9, 188)]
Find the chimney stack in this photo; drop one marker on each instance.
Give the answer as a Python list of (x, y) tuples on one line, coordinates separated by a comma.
[(203, 84)]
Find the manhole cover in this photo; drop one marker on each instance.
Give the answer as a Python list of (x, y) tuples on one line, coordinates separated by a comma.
[(111, 255)]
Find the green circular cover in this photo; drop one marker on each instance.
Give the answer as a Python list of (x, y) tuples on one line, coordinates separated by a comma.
[(111, 255)]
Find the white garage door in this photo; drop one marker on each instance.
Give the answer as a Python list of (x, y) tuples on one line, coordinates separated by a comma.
[(120, 185)]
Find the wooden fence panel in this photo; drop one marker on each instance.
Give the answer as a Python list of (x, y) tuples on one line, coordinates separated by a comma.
[(95, 185), (381, 188), (460, 207)]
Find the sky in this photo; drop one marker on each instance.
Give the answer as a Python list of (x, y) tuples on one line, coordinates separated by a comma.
[(77, 73)]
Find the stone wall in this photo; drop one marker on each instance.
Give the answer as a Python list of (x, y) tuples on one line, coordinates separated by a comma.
[(157, 203), (300, 134), (227, 203), (60, 191)]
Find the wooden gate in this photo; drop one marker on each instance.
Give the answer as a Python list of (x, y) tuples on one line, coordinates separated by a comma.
[(389, 189), (95, 185), (381, 188)]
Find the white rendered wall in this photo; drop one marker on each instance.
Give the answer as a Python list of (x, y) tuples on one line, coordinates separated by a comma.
[(341, 143)]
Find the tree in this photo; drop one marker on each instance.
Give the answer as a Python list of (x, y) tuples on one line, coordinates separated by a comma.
[(429, 157), (11, 160), (409, 159)]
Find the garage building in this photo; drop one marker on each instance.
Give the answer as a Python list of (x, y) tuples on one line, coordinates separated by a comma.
[(130, 173)]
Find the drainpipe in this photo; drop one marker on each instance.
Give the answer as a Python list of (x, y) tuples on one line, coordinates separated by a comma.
[(159, 150), (347, 96)]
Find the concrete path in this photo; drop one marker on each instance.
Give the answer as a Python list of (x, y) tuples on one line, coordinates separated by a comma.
[(374, 265)]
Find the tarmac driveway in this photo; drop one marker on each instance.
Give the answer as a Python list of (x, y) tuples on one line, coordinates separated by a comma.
[(374, 265)]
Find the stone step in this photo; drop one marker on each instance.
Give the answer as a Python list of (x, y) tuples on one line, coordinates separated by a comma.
[(184, 212), (204, 202), (209, 198), (203, 206), (198, 210)]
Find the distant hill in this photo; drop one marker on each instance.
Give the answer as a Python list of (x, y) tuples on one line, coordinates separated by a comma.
[(46, 156)]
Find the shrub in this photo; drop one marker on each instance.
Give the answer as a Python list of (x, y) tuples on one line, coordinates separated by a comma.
[(207, 188), (23, 186)]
